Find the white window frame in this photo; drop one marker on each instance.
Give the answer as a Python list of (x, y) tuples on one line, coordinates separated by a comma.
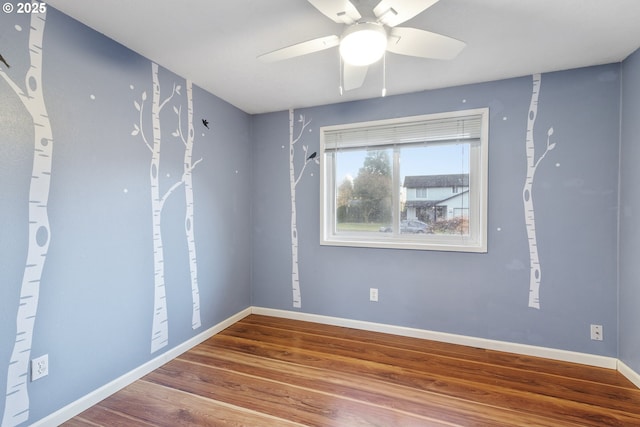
[(475, 241)]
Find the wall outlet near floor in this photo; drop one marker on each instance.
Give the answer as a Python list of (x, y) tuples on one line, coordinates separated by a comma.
[(373, 294), (596, 333), (39, 367)]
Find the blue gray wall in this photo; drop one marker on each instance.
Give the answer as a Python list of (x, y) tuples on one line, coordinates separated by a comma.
[(629, 214), (96, 291), (482, 295), (96, 294)]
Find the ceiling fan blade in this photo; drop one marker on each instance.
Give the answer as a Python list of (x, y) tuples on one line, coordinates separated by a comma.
[(304, 48), (353, 76), (340, 11), (424, 44), (395, 12)]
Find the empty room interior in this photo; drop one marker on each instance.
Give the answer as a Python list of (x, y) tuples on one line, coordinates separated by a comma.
[(202, 194)]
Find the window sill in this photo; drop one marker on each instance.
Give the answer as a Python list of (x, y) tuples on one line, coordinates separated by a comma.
[(382, 241)]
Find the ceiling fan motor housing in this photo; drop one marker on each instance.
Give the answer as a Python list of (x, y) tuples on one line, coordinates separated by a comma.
[(363, 43)]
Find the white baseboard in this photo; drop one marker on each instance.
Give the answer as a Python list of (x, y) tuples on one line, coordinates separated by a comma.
[(84, 403), (524, 349), (631, 375)]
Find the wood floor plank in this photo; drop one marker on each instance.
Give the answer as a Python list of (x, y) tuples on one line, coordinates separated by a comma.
[(266, 371), (482, 372), (553, 367), (508, 361), (380, 393), (167, 406), (446, 383), (284, 400), (98, 416)]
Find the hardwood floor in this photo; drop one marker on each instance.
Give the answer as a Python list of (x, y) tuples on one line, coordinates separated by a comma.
[(266, 371)]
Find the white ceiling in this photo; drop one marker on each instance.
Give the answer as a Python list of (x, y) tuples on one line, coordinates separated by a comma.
[(215, 44)]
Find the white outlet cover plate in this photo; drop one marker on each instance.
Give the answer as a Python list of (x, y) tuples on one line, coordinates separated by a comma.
[(39, 367)]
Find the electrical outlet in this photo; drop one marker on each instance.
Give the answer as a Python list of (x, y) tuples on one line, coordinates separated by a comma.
[(596, 333), (373, 294), (39, 367)]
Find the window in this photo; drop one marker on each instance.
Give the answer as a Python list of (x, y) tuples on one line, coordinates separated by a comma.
[(410, 183)]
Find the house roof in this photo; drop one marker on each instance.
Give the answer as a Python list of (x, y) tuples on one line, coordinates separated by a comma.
[(431, 181), (431, 203)]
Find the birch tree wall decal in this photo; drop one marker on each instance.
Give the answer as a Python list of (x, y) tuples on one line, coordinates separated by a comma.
[(160, 329), (188, 190), (535, 275), (16, 409), (293, 180)]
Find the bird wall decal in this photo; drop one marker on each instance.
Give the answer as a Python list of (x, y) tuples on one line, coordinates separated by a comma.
[(205, 122), (4, 62), (312, 156)]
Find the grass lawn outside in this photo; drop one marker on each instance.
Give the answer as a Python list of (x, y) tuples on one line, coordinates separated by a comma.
[(359, 226)]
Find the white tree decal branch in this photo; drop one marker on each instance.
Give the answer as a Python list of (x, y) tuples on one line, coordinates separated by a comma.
[(293, 180), (137, 127), (170, 191), (176, 89), (535, 275), (187, 179), (16, 408), (160, 330)]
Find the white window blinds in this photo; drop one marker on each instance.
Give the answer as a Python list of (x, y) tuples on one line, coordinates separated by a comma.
[(419, 130)]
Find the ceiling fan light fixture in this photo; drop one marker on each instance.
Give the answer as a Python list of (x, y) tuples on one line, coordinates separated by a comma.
[(363, 44)]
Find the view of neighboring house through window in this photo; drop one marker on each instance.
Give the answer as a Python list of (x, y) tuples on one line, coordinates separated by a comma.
[(440, 200), (412, 183)]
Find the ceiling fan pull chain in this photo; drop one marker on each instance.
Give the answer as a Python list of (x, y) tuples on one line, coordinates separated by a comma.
[(340, 76), (384, 75)]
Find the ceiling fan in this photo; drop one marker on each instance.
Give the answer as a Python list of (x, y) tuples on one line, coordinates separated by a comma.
[(370, 32)]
